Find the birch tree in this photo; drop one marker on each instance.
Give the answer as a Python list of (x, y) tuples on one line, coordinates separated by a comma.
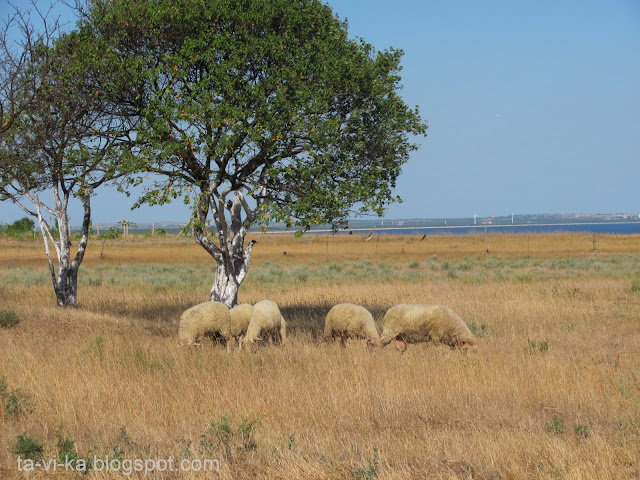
[(60, 147), (255, 111)]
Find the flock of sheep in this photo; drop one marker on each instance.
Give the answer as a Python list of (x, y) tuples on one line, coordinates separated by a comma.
[(246, 324)]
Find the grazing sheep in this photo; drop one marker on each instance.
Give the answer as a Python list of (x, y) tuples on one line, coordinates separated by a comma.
[(425, 323), (240, 317), (347, 320), (265, 320), (210, 319)]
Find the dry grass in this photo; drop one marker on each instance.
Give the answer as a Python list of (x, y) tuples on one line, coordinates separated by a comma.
[(553, 391)]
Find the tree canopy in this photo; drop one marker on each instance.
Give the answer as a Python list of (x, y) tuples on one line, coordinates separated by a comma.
[(265, 96)]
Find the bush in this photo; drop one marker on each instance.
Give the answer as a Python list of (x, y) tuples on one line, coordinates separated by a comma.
[(20, 227), (556, 426), (16, 403), (8, 319), (111, 234), (29, 447)]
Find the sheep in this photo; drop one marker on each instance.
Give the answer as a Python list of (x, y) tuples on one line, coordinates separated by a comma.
[(347, 320), (210, 319), (425, 323), (240, 317), (265, 320)]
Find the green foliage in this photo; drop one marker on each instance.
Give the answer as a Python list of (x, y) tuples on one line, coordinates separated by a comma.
[(29, 447), (20, 228), (17, 403), (113, 233), (267, 96), (67, 450), (538, 347), (14, 403), (583, 430), (222, 435), (556, 425), (8, 319), (373, 466), (479, 330)]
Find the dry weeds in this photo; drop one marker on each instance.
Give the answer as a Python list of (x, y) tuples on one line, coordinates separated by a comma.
[(553, 391)]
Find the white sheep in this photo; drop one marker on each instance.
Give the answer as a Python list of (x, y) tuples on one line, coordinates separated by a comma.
[(347, 320), (265, 320), (425, 323), (210, 319), (240, 317)]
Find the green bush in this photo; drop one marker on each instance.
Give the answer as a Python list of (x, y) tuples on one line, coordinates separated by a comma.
[(16, 403), (8, 319), (538, 347), (20, 227), (29, 447), (111, 234), (556, 425)]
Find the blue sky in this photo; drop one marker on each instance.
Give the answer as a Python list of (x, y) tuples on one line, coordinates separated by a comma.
[(533, 107)]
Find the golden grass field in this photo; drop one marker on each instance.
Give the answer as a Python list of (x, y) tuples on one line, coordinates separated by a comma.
[(551, 392)]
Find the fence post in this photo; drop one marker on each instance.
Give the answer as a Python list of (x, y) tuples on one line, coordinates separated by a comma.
[(486, 238), (594, 242)]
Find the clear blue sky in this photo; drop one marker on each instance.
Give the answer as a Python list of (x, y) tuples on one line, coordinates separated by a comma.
[(533, 107)]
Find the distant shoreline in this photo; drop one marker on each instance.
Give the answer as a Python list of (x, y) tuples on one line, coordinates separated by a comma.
[(571, 227)]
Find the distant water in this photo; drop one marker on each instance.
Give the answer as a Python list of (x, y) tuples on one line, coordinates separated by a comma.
[(604, 228)]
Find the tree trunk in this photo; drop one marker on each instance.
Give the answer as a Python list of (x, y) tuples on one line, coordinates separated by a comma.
[(225, 287), (65, 283), (232, 259), (226, 283), (67, 288)]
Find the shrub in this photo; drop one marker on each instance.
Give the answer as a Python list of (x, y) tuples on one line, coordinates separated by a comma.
[(372, 469), (67, 450), (556, 425), (20, 228), (538, 347), (583, 430), (16, 403), (111, 234), (29, 447), (8, 319), (221, 434), (479, 330)]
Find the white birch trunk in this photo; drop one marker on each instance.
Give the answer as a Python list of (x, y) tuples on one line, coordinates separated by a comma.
[(232, 258)]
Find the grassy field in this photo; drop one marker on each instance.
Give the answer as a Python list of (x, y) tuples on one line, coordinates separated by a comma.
[(551, 392)]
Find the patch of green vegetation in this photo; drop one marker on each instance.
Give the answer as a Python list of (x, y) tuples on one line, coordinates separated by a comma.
[(538, 347), (221, 435), (8, 319), (28, 447), (556, 425), (372, 468)]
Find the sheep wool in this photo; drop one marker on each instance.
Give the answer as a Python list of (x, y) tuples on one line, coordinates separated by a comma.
[(240, 317), (266, 321), (425, 323), (347, 320), (205, 319)]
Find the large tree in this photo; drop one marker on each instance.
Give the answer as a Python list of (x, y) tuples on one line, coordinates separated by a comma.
[(254, 111), (64, 143)]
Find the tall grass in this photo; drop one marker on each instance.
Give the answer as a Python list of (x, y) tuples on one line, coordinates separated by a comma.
[(552, 391)]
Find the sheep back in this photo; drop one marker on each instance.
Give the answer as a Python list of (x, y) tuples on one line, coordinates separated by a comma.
[(205, 319), (240, 317), (425, 323), (265, 320), (347, 320)]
